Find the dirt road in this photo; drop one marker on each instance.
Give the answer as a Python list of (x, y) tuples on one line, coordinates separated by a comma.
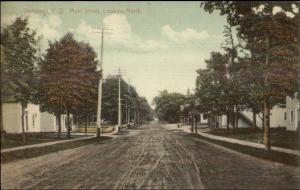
[(153, 158)]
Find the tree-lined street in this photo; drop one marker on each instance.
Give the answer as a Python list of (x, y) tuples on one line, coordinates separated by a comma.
[(150, 95), (156, 157)]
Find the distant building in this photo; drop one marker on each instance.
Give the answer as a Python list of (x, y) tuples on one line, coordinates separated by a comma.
[(34, 119), (186, 117)]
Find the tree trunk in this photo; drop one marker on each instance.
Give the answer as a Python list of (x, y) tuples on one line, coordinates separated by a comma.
[(209, 122), (263, 121), (192, 125), (266, 105), (199, 120), (254, 121), (266, 127), (233, 122), (68, 124), (59, 124), (2, 131), (227, 122), (59, 120), (139, 117), (1, 118), (86, 124), (236, 121), (22, 123), (196, 126)]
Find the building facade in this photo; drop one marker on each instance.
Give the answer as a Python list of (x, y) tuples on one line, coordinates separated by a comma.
[(292, 114), (34, 119), (288, 117)]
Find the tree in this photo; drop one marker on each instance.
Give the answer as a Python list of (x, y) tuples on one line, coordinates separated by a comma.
[(68, 77), (279, 58), (167, 105), (110, 98), (87, 109), (2, 131), (217, 87), (18, 64), (145, 110), (273, 44), (233, 90), (137, 105)]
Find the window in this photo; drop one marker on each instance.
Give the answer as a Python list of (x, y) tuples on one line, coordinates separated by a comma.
[(33, 120), (292, 116), (285, 116)]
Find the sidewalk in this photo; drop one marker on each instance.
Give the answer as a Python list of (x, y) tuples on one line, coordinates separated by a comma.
[(187, 129), (111, 134)]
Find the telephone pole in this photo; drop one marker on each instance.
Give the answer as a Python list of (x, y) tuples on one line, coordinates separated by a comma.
[(119, 103), (119, 74), (99, 106), (128, 104)]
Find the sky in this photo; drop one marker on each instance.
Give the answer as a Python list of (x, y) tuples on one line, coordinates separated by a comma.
[(157, 45)]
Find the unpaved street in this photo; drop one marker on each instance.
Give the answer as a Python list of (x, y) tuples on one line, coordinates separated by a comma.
[(155, 157)]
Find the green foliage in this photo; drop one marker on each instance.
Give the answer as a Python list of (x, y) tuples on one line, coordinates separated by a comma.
[(129, 98), (270, 72), (145, 109), (167, 105), (68, 76), (253, 29), (237, 11), (18, 62), (212, 85)]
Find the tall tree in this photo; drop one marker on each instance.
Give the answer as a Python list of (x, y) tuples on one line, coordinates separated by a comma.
[(145, 110), (234, 94), (214, 90), (273, 43), (110, 98), (18, 65), (68, 76), (167, 106), (137, 105)]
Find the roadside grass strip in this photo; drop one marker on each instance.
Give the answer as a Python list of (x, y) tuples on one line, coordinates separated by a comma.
[(274, 156), (39, 151)]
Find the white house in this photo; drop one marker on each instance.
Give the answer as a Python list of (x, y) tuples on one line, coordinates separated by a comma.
[(34, 119), (288, 117), (203, 120), (243, 121), (291, 116), (10, 114)]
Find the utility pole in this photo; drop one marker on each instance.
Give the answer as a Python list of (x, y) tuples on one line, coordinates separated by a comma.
[(128, 104), (266, 109), (100, 89), (119, 102), (99, 107)]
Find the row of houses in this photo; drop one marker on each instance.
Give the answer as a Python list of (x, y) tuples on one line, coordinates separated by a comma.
[(288, 117), (34, 120)]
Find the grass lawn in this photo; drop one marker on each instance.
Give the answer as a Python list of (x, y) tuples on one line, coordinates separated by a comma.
[(273, 156), (15, 140), (279, 138), (38, 151)]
